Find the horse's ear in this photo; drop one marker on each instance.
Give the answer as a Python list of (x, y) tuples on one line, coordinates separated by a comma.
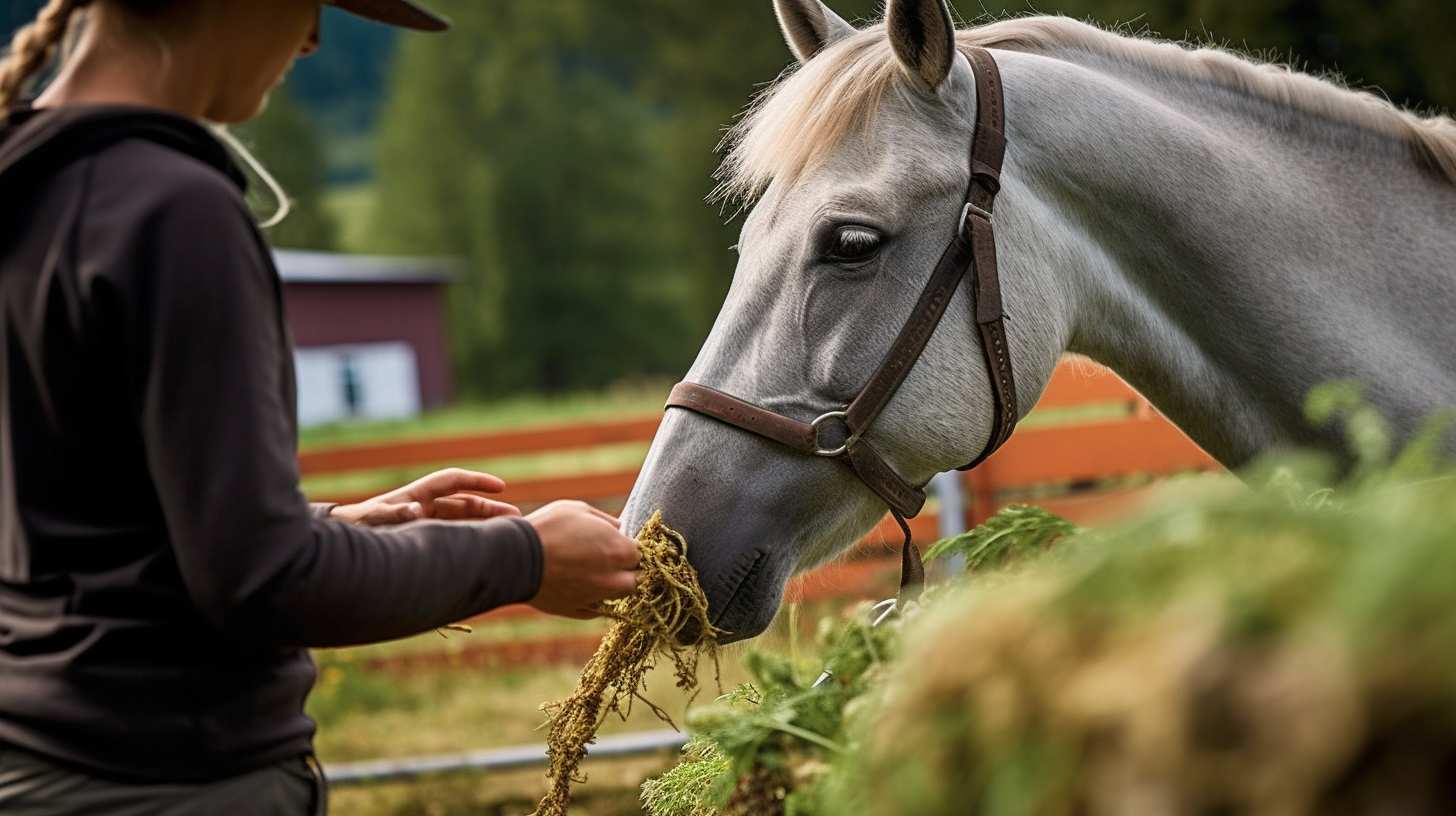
[(923, 36), (809, 26)]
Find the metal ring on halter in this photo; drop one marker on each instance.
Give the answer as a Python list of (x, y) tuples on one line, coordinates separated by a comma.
[(889, 604), (839, 451)]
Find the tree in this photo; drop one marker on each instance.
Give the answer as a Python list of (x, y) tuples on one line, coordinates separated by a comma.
[(507, 144), (703, 66)]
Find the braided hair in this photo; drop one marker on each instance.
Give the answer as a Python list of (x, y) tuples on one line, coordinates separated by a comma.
[(33, 47)]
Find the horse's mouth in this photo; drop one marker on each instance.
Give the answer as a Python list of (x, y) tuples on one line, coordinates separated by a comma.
[(739, 588)]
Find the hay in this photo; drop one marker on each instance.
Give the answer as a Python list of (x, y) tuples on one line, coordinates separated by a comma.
[(1230, 652), (668, 603)]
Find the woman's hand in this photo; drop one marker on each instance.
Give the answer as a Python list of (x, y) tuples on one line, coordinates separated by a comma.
[(444, 494), (586, 559)]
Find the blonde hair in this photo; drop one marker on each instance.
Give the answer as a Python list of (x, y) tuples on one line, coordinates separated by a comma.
[(285, 204), (33, 47), (36, 45)]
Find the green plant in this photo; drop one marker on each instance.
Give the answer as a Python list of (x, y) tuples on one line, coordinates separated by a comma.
[(1016, 531), (1284, 644), (776, 745)]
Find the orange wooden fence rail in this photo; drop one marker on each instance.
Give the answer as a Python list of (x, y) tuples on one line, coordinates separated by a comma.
[(1079, 469), (1091, 462)]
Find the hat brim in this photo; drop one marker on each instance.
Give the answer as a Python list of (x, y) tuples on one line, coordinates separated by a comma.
[(400, 13)]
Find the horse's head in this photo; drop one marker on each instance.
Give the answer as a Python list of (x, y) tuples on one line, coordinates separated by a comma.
[(858, 164)]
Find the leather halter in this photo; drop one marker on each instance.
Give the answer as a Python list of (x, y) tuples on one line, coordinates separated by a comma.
[(973, 249)]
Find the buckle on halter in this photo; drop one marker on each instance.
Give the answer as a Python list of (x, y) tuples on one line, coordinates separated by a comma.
[(970, 210), (819, 449)]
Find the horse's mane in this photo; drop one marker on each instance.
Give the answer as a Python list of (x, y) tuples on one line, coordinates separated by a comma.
[(804, 115)]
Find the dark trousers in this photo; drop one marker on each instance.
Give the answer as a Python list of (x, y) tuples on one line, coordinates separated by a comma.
[(33, 786)]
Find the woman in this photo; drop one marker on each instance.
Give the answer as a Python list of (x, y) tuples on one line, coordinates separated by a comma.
[(161, 575)]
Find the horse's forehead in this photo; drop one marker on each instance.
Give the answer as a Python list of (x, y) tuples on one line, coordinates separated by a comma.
[(853, 188), (910, 148), (885, 176)]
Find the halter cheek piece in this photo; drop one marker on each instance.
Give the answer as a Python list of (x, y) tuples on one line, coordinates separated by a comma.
[(973, 249)]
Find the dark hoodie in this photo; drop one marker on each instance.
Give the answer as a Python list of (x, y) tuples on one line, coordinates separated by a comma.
[(160, 571)]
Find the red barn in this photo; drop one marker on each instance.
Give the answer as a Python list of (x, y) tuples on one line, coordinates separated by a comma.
[(369, 333)]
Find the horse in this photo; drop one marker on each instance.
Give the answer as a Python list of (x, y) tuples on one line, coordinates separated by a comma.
[(1224, 234)]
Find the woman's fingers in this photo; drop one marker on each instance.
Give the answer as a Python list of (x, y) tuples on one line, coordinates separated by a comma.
[(469, 506), (443, 483), (376, 512), (605, 516), (453, 480)]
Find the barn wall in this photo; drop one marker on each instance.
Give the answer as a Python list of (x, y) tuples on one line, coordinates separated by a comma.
[(328, 314)]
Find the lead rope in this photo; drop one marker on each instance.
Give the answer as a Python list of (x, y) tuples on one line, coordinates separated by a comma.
[(912, 583), (912, 568)]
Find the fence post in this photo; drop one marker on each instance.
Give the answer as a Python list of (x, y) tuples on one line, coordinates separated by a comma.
[(947, 487)]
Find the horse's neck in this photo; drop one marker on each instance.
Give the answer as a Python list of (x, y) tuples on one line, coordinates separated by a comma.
[(1226, 257)]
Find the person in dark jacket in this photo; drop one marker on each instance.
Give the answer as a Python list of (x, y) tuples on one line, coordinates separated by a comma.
[(161, 573)]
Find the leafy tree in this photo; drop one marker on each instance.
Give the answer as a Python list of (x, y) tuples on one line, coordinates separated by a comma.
[(344, 82), (342, 86), (509, 145), (703, 66)]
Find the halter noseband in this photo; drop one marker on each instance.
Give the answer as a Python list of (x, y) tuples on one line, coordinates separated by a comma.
[(973, 249)]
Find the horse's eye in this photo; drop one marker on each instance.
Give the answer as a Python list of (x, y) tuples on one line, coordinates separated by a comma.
[(851, 244)]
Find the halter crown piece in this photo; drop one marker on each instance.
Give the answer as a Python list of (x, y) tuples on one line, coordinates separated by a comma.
[(973, 250)]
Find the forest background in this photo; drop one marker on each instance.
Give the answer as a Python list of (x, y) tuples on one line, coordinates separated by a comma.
[(565, 151)]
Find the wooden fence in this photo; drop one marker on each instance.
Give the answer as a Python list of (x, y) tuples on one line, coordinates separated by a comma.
[(1088, 450)]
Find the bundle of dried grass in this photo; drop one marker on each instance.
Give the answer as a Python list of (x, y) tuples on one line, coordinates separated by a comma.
[(668, 603)]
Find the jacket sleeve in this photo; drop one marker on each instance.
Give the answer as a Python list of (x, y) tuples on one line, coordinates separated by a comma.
[(213, 390)]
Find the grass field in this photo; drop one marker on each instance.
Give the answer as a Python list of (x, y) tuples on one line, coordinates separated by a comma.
[(367, 712)]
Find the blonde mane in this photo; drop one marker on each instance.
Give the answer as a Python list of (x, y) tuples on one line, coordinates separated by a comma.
[(809, 111)]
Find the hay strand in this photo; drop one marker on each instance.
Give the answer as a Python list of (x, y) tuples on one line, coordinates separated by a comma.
[(668, 603)]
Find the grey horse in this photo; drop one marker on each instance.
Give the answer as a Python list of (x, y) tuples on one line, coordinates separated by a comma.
[(1223, 234)]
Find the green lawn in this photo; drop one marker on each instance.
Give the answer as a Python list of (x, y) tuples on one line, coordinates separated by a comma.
[(366, 714)]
